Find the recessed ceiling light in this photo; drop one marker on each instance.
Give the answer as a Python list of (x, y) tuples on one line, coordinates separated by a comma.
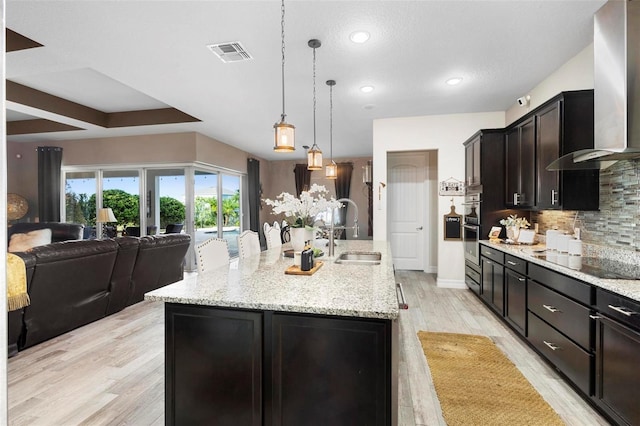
[(454, 80), (369, 106), (366, 89), (359, 36)]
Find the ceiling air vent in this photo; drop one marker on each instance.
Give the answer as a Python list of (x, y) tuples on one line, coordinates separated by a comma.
[(230, 52)]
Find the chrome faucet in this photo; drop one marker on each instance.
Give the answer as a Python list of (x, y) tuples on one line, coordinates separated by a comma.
[(333, 227)]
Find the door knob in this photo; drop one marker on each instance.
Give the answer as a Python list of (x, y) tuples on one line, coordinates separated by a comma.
[(419, 229)]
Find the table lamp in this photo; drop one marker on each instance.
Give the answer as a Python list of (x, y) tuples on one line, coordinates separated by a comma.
[(105, 216)]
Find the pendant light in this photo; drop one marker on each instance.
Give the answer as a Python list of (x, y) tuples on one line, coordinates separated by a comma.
[(331, 171), (285, 134), (314, 155)]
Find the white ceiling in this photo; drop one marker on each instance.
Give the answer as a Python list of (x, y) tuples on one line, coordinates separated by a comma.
[(125, 55)]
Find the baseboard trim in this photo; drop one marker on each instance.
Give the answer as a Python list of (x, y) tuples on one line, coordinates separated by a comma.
[(451, 283), (431, 270)]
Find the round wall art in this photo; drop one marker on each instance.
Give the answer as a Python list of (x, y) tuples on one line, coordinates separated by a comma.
[(17, 207)]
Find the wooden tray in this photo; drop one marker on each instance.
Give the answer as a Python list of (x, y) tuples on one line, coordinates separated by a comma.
[(295, 269)]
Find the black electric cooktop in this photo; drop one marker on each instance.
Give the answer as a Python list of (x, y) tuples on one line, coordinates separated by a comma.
[(598, 267)]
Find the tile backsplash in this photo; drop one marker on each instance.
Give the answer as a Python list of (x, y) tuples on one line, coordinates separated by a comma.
[(615, 224)]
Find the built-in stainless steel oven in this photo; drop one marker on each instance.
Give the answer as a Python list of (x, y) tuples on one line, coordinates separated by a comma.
[(471, 227)]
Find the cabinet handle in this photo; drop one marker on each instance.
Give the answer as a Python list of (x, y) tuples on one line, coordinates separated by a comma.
[(488, 253), (594, 317), (551, 308), (554, 197), (551, 345), (511, 263), (522, 280), (515, 198), (402, 303), (623, 310)]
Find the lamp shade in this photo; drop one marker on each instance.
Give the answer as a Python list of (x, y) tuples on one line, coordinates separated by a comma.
[(106, 215), (331, 171), (285, 140), (367, 172), (314, 159)]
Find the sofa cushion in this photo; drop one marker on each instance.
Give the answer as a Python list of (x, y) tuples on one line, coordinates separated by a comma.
[(24, 242), (59, 231)]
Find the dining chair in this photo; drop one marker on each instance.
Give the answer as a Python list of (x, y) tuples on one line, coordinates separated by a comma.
[(266, 228), (211, 254), (248, 244), (285, 234), (276, 225), (273, 238)]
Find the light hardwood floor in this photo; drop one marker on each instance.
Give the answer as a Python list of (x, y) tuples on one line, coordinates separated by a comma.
[(111, 372)]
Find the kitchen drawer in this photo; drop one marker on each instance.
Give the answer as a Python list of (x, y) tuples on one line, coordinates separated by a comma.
[(515, 263), (569, 358), (472, 284), (619, 307), (569, 317), (577, 290), (493, 254), (474, 266)]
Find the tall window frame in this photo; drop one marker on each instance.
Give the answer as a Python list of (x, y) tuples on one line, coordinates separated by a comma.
[(146, 204)]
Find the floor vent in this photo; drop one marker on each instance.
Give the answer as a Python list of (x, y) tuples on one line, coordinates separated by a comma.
[(230, 52)]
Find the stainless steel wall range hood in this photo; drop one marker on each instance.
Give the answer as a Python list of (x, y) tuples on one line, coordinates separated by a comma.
[(616, 36)]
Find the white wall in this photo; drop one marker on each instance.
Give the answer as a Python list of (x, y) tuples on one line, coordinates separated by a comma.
[(445, 134), (575, 74), (3, 220)]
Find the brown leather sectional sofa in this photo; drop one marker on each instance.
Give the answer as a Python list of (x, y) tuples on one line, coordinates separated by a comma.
[(73, 283)]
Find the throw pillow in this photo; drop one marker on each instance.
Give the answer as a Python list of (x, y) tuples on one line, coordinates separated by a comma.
[(23, 242)]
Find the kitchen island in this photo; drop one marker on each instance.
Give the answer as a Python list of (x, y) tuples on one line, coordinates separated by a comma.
[(248, 344)]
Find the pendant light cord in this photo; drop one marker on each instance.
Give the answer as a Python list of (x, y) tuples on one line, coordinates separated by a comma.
[(331, 122), (314, 97), (282, 36)]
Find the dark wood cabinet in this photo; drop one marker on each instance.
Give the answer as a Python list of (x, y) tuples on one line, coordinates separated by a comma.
[(213, 366), (569, 358), (342, 362), (564, 125), (472, 163), (515, 310), (520, 164), (484, 165), (492, 288), (617, 372), (237, 367), (591, 336), (472, 276), (617, 357)]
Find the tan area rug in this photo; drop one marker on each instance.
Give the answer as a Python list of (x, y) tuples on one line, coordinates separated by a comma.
[(478, 385)]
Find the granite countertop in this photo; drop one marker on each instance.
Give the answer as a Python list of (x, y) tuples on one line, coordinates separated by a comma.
[(259, 282), (624, 287)]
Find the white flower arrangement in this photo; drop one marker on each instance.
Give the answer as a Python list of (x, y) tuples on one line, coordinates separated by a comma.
[(301, 211), (514, 220)]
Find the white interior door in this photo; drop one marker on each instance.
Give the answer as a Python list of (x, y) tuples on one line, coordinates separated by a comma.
[(406, 176)]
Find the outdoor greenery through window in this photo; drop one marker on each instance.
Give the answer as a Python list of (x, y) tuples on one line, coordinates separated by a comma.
[(216, 202)]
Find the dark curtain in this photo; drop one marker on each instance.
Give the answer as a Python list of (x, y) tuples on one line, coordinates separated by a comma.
[(49, 163), (303, 178), (343, 189), (253, 180)]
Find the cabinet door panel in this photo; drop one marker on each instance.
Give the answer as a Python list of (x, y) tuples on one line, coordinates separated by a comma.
[(515, 310), (213, 366), (341, 362), (512, 184), (548, 150), (527, 163), (617, 372)]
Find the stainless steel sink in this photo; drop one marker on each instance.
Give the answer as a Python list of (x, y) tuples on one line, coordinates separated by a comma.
[(360, 257)]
